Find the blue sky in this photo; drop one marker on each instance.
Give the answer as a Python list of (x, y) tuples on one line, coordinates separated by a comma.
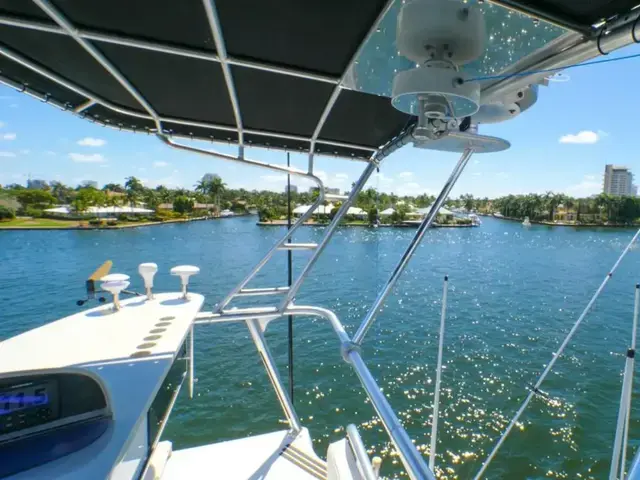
[(601, 101)]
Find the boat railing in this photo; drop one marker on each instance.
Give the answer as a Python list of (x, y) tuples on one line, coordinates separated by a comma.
[(257, 320), (357, 447)]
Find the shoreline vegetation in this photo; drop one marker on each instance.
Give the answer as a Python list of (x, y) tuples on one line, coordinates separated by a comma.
[(53, 205)]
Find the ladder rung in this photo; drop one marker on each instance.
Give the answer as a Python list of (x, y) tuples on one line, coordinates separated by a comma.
[(241, 312), (251, 292), (297, 246), (333, 196)]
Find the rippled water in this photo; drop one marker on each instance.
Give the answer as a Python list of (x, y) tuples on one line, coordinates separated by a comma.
[(514, 293)]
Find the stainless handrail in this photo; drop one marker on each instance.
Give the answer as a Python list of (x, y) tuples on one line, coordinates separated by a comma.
[(357, 447), (413, 245), (411, 458), (272, 371), (634, 471)]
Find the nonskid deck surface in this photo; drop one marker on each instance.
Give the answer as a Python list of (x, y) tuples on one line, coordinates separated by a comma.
[(273, 456)]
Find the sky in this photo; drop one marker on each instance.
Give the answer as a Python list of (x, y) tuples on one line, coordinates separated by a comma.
[(561, 144)]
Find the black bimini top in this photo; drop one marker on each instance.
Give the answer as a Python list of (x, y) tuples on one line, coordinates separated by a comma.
[(256, 72)]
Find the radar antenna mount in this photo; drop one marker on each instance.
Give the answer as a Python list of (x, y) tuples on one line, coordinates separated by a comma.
[(439, 37)]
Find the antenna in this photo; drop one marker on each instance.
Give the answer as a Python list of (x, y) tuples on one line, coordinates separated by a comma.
[(102, 271)]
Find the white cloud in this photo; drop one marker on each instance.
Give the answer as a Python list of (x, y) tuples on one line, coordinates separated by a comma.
[(25, 152), (411, 188), (87, 158), (51, 153), (2, 124), (142, 169), (502, 175), (160, 164), (342, 176), (586, 188), (585, 136), (380, 179), (476, 174), (9, 136), (92, 142), (405, 175), (7, 154), (273, 178)]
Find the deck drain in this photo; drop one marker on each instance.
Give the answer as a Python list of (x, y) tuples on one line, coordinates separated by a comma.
[(144, 346), (158, 330), (151, 338), (141, 353), (164, 319), (163, 324)]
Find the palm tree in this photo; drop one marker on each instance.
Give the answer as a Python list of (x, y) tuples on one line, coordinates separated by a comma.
[(216, 188), (134, 189)]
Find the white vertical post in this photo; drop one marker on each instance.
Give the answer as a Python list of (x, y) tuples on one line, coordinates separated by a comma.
[(436, 400), (192, 361), (634, 331)]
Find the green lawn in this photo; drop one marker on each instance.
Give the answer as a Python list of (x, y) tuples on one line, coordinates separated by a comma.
[(38, 223)]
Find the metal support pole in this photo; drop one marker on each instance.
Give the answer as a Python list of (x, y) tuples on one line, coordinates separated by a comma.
[(415, 242), (555, 357), (622, 416), (192, 361), (272, 372), (409, 455), (436, 399), (631, 363), (290, 280)]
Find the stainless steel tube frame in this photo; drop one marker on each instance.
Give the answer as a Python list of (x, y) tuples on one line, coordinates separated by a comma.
[(411, 458), (584, 49), (221, 49), (328, 233), (269, 166), (415, 242), (357, 447), (409, 455), (61, 20), (272, 372), (338, 88), (634, 472)]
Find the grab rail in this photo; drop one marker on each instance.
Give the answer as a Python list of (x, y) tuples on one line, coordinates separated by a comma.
[(357, 447), (411, 458)]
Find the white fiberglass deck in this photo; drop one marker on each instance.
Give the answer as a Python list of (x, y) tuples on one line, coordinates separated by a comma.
[(129, 351), (272, 456)]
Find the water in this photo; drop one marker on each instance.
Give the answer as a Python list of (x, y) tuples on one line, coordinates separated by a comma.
[(514, 293)]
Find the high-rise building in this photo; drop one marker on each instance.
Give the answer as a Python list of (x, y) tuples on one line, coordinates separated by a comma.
[(618, 180), (293, 188)]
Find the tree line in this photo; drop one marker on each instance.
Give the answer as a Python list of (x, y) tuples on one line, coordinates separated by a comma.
[(212, 191)]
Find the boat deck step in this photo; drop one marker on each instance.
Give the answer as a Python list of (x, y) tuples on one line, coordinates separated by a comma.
[(255, 292), (297, 246)]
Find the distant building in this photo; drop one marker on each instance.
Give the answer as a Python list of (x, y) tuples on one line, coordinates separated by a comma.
[(332, 191), (293, 188), (37, 184), (618, 180)]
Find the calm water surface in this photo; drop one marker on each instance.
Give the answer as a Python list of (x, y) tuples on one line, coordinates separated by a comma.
[(514, 293)]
